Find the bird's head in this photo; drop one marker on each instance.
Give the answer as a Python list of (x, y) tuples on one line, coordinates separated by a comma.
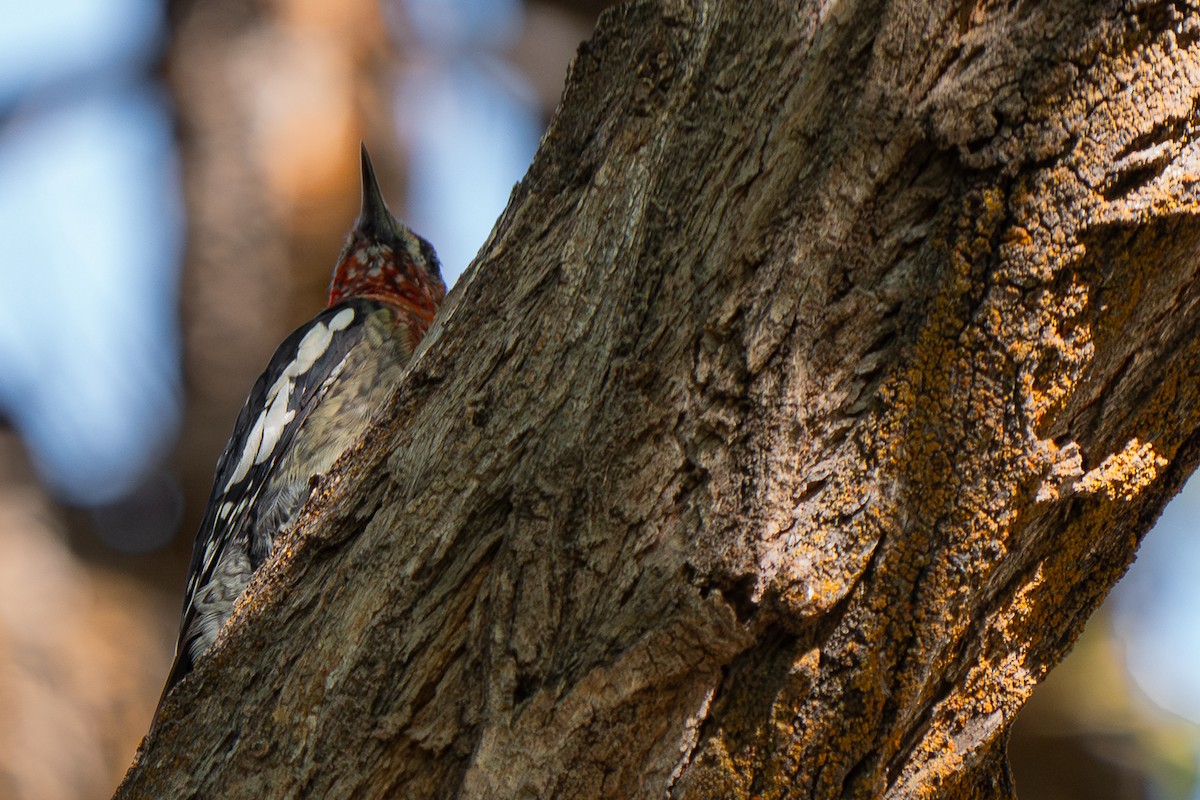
[(384, 260)]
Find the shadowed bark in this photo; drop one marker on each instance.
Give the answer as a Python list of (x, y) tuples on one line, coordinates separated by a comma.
[(815, 386)]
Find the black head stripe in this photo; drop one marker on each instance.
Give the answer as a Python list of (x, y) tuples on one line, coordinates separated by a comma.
[(430, 258)]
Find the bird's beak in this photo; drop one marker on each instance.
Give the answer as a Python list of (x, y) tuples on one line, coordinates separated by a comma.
[(375, 221)]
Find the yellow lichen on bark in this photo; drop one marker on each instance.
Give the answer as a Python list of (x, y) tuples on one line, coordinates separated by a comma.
[(1123, 475)]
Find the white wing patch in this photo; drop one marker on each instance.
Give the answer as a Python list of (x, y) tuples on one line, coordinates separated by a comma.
[(342, 319), (249, 451), (312, 346), (277, 417), (210, 548), (273, 420), (308, 362)]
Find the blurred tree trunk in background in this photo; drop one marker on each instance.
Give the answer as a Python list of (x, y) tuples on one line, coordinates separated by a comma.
[(78, 643), (271, 101), (816, 385)]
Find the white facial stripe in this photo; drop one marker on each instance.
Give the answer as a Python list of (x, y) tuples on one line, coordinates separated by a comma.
[(412, 246)]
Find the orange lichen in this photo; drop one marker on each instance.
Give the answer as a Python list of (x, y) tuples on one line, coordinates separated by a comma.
[(954, 591), (1123, 475)]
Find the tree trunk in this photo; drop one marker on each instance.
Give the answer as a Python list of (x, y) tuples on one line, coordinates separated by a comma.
[(817, 383)]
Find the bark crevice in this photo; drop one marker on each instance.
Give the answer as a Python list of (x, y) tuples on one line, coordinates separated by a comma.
[(816, 384)]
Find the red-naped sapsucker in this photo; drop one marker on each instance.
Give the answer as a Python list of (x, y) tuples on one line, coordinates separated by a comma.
[(319, 393)]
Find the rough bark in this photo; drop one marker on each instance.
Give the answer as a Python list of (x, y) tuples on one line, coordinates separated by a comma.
[(818, 382)]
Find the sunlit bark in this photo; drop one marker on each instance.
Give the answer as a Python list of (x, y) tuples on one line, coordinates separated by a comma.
[(817, 383)]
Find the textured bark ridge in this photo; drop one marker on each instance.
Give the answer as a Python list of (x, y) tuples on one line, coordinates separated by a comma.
[(816, 385)]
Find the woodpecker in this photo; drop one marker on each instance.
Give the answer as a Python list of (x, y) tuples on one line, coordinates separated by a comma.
[(319, 393)]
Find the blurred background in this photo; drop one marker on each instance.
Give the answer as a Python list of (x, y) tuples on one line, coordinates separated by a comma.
[(175, 183)]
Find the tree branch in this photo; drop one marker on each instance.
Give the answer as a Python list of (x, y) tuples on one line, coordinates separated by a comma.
[(815, 386)]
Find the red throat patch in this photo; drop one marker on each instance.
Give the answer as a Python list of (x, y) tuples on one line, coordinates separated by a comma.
[(377, 272)]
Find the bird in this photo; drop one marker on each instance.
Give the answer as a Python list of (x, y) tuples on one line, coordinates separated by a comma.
[(320, 392)]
